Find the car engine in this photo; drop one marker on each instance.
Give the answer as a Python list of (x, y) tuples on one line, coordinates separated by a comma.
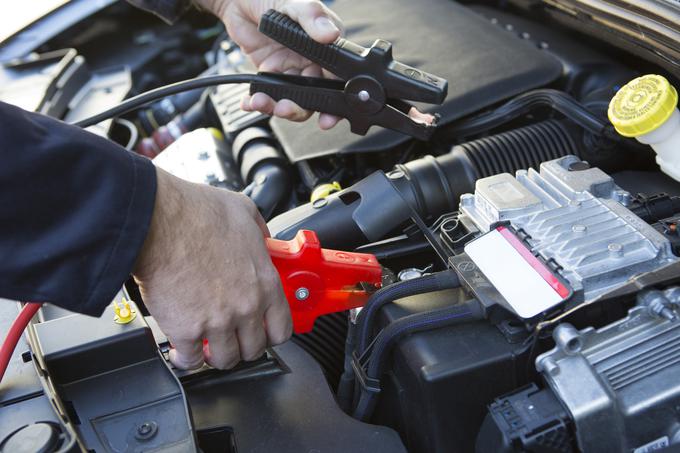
[(530, 250)]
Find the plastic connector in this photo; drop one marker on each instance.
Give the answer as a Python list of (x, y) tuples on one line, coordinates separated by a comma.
[(124, 313)]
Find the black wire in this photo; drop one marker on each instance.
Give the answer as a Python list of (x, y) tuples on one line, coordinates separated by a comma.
[(168, 90)]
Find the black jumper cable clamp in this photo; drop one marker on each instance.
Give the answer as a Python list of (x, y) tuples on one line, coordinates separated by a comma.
[(372, 88)]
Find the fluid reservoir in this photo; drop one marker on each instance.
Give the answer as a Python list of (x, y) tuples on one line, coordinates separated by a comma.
[(646, 108)]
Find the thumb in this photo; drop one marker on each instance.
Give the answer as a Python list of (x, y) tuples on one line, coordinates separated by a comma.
[(317, 20)]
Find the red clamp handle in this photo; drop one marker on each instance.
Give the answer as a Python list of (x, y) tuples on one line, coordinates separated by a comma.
[(319, 281)]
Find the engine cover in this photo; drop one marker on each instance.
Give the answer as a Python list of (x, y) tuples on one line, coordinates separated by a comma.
[(483, 63)]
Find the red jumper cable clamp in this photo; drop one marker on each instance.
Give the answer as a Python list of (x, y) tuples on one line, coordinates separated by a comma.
[(319, 281)]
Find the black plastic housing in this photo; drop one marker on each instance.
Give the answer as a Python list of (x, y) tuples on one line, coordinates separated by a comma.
[(441, 381)]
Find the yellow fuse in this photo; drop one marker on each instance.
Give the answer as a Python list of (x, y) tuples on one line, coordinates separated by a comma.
[(125, 313)]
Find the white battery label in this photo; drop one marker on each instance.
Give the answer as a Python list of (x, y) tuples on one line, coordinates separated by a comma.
[(527, 284)]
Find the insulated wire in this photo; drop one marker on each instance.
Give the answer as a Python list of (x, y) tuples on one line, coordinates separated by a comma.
[(14, 334), (168, 90)]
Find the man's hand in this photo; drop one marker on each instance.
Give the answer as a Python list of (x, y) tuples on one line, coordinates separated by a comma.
[(205, 273), (242, 17)]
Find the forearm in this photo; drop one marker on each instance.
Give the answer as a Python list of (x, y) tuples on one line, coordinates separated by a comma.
[(74, 212)]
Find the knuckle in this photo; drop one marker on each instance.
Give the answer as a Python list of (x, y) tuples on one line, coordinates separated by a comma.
[(248, 309)]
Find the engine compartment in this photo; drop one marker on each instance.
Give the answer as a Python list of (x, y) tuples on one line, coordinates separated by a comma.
[(530, 253)]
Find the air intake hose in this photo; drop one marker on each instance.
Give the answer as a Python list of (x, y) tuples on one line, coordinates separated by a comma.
[(263, 169), (370, 209)]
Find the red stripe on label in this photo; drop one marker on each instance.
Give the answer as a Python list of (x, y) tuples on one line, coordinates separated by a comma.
[(534, 262)]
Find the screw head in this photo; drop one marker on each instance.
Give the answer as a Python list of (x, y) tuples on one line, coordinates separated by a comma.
[(146, 430), (302, 293), (364, 96)]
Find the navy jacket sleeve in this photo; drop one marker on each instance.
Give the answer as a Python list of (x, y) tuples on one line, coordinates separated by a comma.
[(74, 211)]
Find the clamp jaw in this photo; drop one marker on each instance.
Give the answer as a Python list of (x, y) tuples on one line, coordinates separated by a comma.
[(372, 87), (319, 281)]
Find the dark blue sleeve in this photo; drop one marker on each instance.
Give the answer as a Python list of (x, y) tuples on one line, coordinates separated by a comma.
[(74, 211)]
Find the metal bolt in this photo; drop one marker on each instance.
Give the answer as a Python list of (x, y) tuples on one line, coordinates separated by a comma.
[(319, 203), (364, 96), (301, 293), (395, 174), (578, 228), (658, 304), (409, 274), (146, 431)]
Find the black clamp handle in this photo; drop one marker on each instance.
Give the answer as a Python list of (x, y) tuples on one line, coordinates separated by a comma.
[(346, 60)]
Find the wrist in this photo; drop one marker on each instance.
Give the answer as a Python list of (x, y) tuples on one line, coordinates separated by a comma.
[(167, 207)]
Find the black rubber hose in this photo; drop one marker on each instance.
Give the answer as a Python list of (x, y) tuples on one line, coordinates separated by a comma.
[(270, 187), (522, 104), (346, 383), (433, 282), (388, 338), (264, 168)]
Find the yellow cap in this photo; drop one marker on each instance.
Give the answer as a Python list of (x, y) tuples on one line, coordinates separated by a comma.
[(124, 314), (324, 190), (642, 105)]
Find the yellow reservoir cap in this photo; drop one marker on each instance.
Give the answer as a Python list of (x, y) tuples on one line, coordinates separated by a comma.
[(642, 105)]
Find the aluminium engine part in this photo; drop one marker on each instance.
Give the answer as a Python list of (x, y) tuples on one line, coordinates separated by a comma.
[(619, 383), (200, 156), (575, 218)]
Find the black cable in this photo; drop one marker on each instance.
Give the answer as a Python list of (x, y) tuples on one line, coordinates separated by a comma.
[(433, 282), (168, 90), (388, 338), (519, 105)]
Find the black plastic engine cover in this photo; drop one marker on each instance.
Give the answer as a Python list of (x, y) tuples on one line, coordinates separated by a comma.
[(481, 61), (439, 383)]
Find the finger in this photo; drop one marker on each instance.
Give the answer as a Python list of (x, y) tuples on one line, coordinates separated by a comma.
[(317, 20), (187, 354), (291, 111), (328, 121), (252, 338), (292, 71), (262, 103), (222, 351), (278, 323), (313, 70), (245, 103), (281, 60)]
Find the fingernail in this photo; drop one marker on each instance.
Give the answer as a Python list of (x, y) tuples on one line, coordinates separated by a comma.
[(325, 25)]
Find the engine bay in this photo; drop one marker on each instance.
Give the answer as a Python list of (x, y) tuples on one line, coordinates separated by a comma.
[(530, 254)]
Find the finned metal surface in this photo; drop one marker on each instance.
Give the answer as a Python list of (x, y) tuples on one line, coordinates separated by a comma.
[(574, 218), (621, 384)]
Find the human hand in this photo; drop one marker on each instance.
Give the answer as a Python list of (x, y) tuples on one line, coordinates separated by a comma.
[(242, 17), (205, 273)]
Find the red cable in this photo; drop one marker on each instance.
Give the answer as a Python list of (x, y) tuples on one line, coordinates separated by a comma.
[(14, 334)]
